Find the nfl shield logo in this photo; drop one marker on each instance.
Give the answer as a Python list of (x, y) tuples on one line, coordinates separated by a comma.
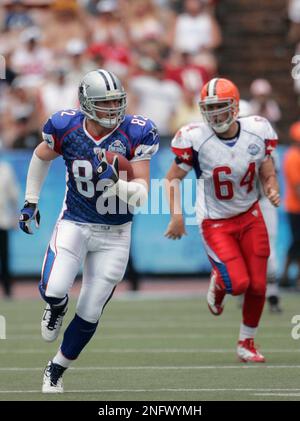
[(117, 146), (253, 149)]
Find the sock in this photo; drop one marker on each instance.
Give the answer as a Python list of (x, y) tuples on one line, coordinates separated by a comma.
[(247, 332), (252, 308), (61, 359), (77, 335)]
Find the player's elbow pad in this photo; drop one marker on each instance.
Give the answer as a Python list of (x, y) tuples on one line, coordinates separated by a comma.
[(135, 194), (37, 172)]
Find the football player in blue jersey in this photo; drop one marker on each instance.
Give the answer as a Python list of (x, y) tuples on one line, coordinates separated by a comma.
[(88, 231)]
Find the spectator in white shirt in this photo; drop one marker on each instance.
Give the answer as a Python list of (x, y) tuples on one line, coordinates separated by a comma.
[(58, 93), (196, 29), (154, 96), (30, 59), (262, 102)]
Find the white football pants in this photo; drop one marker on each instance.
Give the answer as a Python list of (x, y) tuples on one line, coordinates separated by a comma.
[(102, 249)]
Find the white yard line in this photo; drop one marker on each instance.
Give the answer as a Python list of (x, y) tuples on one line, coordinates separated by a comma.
[(201, 324), (277, 394), (266, 392), (152, 351), (101, 336), (132, 368)]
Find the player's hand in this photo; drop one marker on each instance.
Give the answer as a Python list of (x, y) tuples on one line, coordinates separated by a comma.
[(105, 170), (176, 228), (274, 197), (29, 213)]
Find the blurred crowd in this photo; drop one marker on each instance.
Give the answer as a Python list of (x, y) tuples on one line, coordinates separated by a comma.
[(163, 51)]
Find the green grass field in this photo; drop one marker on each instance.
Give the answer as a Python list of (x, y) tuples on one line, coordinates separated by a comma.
[(155, 350)]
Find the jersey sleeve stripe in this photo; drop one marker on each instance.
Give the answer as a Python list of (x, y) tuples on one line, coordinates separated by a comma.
[(270, 145), (69, 131), (184, 154)]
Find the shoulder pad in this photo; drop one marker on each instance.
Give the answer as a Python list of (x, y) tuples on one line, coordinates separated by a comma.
[(62, 119), (144, 136), (260, 126), (254, 121)]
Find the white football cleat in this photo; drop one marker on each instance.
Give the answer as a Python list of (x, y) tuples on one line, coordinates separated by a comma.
[(52, 321), (247, 352), (52, 381), (215, 296)]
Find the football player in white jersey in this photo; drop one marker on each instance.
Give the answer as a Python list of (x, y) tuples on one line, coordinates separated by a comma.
[(229, 155), (94, 227)]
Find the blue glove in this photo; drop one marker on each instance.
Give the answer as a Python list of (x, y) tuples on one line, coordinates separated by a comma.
[(106, 171), (29, 213)]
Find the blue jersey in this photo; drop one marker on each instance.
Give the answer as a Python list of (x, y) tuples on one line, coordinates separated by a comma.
[(135, 138)]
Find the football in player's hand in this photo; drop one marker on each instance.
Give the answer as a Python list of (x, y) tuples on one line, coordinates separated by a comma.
[(125, 168)]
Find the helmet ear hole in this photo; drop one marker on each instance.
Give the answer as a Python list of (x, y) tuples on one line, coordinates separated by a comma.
[(88, 106)]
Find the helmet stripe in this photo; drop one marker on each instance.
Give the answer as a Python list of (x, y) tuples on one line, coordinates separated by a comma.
[(105, 80), (212, 87), (113, 79)]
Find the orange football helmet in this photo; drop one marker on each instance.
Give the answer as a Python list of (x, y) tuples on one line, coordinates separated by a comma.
[(219, 103)]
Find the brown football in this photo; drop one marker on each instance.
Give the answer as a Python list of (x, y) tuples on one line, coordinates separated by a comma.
[(125, 168)]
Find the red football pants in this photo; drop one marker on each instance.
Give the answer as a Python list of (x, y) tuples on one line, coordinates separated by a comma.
[(238, 249)]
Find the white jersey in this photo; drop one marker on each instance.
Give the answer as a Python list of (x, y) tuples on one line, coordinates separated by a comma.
[(227, 169)]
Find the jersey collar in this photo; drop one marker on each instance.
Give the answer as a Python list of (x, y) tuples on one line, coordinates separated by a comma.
[(95, 139), (235, 137)]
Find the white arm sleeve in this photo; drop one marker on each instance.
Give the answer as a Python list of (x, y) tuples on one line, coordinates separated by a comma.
[(131, 192), (37, 172)]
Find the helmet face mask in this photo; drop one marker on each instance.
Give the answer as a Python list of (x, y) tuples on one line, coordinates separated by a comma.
[(97, 88), (219, 114), (111, 116), (219, 104)]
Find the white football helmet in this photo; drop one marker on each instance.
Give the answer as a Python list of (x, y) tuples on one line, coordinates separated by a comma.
[(101, 86)]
